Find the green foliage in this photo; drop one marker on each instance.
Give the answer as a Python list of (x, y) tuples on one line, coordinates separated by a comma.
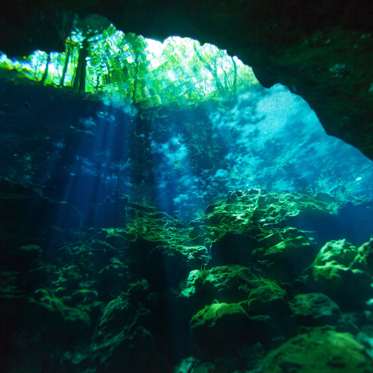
[(99, 59)]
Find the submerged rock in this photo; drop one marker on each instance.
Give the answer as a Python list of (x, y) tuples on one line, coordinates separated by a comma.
[(225, 283), (268, 310), (233, 248), (255, 228), (313, 309), (244, 363), (321, 351), (140, 298), (123, 337), (220, 328), (336, 252), (262, 317), (59, 321), (285, 253), (364, 257), (113, 278), (162, 250), (245, 211), (266, 296), (234, 283), (337, 271), (193, 365)]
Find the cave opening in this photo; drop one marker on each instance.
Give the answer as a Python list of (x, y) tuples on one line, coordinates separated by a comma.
[(158, 202)]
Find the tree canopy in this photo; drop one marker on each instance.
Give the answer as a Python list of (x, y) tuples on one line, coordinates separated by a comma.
[(102, 60)]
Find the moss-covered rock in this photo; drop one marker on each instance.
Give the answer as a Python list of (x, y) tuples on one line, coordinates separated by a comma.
[(163, 250), (364, 257), (266, 297), (229, 283), (59, 321), (255, 223), (193, 365), (336, 252), (235, 283), (220, 328), (243, 363), (335, 273), (268, 310), (314, 309), (233, 248), (322, 351), (262, 317), (285, 253), (248, 211), (97, 313), (123, 337)]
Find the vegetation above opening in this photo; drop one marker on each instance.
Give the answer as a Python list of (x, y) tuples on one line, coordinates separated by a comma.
[(99, 59)]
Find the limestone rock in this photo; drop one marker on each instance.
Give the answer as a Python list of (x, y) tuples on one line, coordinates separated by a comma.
[(220, 328), (321, 351), (268, 310), (257, 227), (314, 309), (364, 257), (225, 283), (285, 253), (334, 273), (58, 320), (123, 334), (162, 250), (341, 252), (266, 297), (232, 248)]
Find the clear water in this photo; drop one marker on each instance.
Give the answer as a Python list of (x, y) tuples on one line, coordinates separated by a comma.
[(181, 160)]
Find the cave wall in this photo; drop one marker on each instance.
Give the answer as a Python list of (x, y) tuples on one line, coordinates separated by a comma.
[(320, 49)]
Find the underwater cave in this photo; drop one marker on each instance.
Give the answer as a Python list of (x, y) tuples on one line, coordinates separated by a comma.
[(167, 208)]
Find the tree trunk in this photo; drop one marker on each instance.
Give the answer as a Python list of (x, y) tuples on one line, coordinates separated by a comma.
[(46, 70), (81, 69), (135, 83), (213, 70), (65, 66)]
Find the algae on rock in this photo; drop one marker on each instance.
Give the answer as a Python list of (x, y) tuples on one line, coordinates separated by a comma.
[(320, 350)]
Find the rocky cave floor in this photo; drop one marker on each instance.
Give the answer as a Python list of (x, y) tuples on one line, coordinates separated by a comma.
[(241, 289)]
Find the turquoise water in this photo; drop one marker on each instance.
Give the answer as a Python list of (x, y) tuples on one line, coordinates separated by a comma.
[(182, 159), (269, 139), (179, 160)]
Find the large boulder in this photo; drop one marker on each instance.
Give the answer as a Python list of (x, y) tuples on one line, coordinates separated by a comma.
[(59, 319), (268, 310), (312, 309), (339, 272), (321, 351), (220, 328), (285, 253), (266, 296), (162, 250), (233, 248), (236, 284), (258, 227), (263, 317), (123, 337), (364, 257), (228, 283)]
